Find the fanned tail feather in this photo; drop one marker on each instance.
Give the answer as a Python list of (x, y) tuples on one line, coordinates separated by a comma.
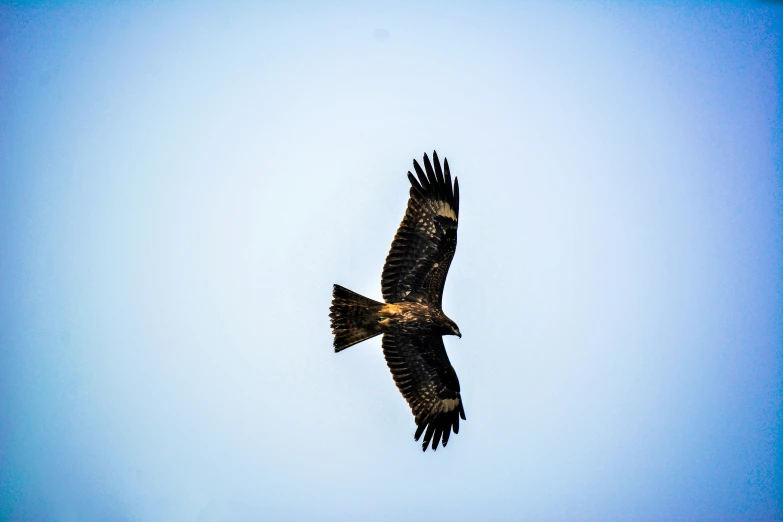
[(354, 318)]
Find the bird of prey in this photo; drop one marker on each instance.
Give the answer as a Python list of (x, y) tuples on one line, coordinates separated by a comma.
[(411, 318)]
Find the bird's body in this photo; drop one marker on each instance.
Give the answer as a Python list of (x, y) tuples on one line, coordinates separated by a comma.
[(411, 319)]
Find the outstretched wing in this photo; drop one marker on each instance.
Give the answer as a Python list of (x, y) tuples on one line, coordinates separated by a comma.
[(424, 245), (425, 377)]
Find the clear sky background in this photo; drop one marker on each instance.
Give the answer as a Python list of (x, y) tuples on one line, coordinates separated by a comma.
[(181, 184)]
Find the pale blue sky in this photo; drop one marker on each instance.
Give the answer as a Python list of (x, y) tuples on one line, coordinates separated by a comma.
[(181, 184)]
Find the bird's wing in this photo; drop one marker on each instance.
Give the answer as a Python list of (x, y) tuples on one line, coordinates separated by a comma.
[(424, 245), (425, 377)]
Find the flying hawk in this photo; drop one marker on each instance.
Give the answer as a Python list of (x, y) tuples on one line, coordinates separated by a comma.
[(411, 319)]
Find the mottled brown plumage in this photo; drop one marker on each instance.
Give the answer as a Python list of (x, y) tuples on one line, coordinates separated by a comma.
[(411, 319)]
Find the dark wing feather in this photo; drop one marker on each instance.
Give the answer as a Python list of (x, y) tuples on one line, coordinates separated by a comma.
[(425, 377), (424, 245)]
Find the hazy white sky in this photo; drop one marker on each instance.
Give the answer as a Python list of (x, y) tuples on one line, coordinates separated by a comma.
[(181, 184)]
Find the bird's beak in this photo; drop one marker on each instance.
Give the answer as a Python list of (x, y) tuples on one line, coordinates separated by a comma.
[(459, 334)]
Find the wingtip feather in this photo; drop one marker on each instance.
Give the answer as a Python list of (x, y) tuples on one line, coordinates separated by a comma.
[(425, 184), (431, 174), (415, 184), (434, 180), (419, 430), (456, 195)]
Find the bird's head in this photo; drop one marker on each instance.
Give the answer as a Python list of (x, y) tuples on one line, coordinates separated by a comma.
[(452, 328)]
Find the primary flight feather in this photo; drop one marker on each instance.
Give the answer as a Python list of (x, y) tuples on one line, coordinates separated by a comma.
[(411, 319)]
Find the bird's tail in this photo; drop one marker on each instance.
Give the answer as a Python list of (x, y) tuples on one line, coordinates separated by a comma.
[(354, 318)]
